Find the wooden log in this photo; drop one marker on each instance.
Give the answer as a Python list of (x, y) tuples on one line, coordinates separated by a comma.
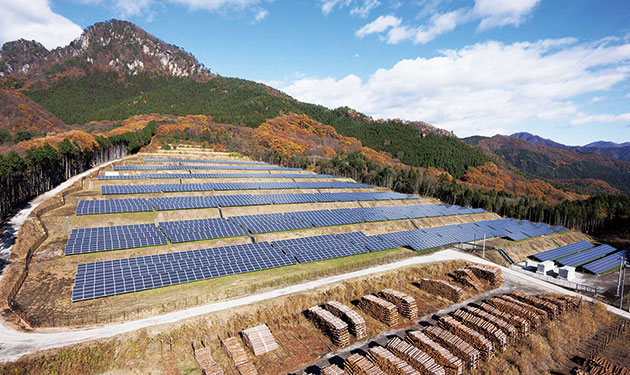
[(247, 368), (476, 339), (405, 303), (259, 339), (442, 288), (486, 328), (389, 363), (510, 331), (521, 324), (467, 278), (332, 370), (452, 364), (332, 326), (489, 273), (534, 319), (379, 309), (542, 313), (206, 363), (551, 309), (356, 323), (562, 304), (466, 352), (237, 354), (356, 364), (418, 359)]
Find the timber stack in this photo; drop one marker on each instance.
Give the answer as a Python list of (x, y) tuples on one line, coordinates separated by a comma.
[(477, 340), (514, 309), (379, 309), (332, 326), (406, 304), (418, 359), (237, 354), (521, 324), (389, 363), (491, 274), (542, 304), (510, 331), (356, 323), (451, 363), (206, 363), (466, 352), (259, 339), (489, 330), (357, 364), (442, 288), (332, 370), (467, 278), (542, 314)]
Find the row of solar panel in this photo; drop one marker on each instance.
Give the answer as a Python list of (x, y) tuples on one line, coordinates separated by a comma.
[(595, 259), (91, 207), (187, 167), (112, 277), (213, 175), (175, 160), (222, 186)]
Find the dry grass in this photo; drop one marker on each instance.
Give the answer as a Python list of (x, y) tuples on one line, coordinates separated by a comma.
[(520, 250)]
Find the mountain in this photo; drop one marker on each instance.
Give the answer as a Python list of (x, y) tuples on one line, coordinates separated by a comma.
[(19, 112), (566, 167), (614, 150), (605, 144), (539, 140)]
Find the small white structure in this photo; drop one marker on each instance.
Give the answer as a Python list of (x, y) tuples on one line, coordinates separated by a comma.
[(531, 264), (544, 267), (566, 273), (111, 173)]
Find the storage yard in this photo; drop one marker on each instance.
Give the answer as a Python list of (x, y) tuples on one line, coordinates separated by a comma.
[(129, 244)]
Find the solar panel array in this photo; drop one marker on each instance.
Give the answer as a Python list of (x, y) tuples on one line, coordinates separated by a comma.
[(267, 223), (213, 175), (172, 188), (582, 257), (192, 202), (608, 262), (188, 167), (200, 229), (169, 160), (112, 277), (312, 249), (563, 251), (90, 240)]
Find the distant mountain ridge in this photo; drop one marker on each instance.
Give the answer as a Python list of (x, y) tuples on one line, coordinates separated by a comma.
[(614, 150)]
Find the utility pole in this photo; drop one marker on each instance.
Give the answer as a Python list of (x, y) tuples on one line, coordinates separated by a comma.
[(622, 279), (484, 247)]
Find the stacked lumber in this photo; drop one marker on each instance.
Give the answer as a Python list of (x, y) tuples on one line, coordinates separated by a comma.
[(237, 354), (476, 339), (451, 363), (442, 288), (521, 324), (466, 352), (418, 359), (356, 323), (389, 363), (534, 319), (332, 326), (467, 278), (547, 306), (379, 309), (357, 364), (206, 363), (259, 339), (510, 331), (406, 304), (561, 303), (573, 301), (332, 370), (489, 330), (491, 274), (597, 365), (541, 313)]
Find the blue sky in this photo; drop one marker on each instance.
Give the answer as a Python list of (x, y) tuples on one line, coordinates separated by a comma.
[(559, 69)]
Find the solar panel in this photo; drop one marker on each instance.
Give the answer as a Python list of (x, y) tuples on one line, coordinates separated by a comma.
[(267, 223), (109, 206), (562, 251), (89, 240), (175, 160), (200, 229), (201, 167), (608, 262), (312, 249), (586, 256), (213, 175)]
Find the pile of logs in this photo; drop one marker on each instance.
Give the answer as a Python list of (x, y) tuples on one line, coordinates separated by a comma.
[(451, 363), (406, 304), (332, 370), (237, 354), (418, 359), (562, 304), (455, 344), (357, 364), (511, 308), (542, 314), (208, 365), (597, 365), (542, 304), (259, 339), (467, 278), (486, 328), (521, 324), (356, 323), (491, 274), (332, 326), (477, 340), (379, 309), (442, 288), (389, 363), (505, 327)]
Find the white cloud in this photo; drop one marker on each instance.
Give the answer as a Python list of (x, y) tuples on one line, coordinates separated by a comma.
[(496, 13), (260, 15), (483, 88), (379, 25), (328, 5), (34, 19), (361, 8), (584, 118), (127, 8), (364, 9)]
